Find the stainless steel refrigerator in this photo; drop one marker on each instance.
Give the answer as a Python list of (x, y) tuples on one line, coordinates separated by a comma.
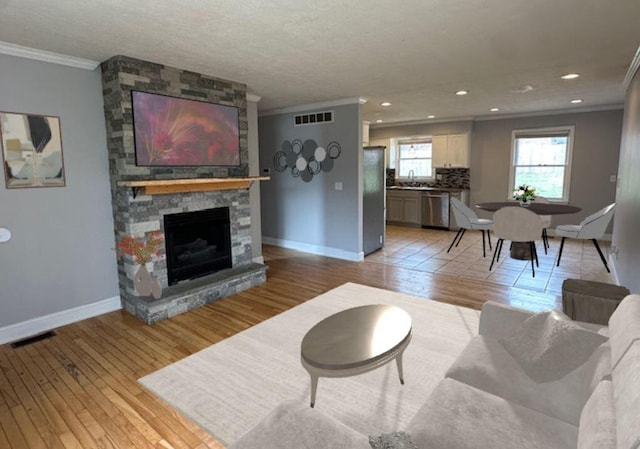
[(373, 214)]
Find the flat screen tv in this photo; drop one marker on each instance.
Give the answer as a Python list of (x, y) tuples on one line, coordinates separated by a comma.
[(170, 131)]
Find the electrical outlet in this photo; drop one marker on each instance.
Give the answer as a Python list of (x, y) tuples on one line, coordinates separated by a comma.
[(612, 178), (338, 185), (381, 239)]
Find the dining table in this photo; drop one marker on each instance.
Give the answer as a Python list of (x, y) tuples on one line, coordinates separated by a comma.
[(520, 250), (537, 208)]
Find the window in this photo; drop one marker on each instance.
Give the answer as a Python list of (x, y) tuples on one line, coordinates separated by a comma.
[(414, 158), (541, 158)]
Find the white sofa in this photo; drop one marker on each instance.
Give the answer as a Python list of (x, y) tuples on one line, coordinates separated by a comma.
[(488, 401)]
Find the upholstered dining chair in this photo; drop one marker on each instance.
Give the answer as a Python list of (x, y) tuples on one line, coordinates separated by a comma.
[(518, 225), (546, 222), (591, 228), (467, 219)]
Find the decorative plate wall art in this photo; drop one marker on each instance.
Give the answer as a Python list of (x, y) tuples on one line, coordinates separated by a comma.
[(31, 150), (306, 159)]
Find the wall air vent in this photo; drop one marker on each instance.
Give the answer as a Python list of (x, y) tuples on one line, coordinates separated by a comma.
[(313, 118)]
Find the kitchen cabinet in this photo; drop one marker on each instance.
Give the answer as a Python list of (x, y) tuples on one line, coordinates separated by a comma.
[(450, 150), (383, 143), (403, 207), (365, 133)]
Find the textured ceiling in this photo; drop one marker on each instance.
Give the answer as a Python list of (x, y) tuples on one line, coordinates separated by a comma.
[(414, 53)]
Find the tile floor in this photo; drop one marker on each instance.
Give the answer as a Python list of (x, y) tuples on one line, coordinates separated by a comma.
[(426, 250)]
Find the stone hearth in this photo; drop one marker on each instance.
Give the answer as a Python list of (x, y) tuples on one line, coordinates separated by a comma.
[(138, 215)]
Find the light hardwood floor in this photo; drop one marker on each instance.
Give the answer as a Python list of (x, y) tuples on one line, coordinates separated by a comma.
[(79, 389)]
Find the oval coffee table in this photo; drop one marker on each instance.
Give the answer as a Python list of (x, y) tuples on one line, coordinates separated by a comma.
[(355, 341)]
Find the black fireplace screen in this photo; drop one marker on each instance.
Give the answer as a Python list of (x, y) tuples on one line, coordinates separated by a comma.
[(197, 243)]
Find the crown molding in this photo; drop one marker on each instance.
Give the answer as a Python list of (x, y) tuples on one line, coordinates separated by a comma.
[(430, 121), (308, 107), (633, 69), (253, 98), (483, 118), (47, 56), (607, 107)]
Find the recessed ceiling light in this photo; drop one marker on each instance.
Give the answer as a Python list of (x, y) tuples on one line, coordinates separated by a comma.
[(577, 100), (385, 103), (378, 121), (570, 76), (494, 109), (431, 116), (462, 92)]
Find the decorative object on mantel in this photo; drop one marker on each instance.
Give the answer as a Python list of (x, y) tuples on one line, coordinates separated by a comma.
[(169, 186), (170, 131), (525, 195), (32, 150), (306, 159), (143, 251)]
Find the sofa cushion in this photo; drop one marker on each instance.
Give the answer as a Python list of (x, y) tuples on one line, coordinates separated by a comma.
[(458, 416), (626, 395), (486, 365), (548, 345), (296, 425), (624, 327), (597, 428)]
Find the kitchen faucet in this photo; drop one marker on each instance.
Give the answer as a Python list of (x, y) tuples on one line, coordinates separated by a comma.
[(412, 176)]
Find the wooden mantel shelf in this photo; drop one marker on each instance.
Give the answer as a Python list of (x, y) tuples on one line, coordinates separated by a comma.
[(168, 186)]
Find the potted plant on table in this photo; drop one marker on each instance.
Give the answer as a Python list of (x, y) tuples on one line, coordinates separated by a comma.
[(525, 195), (142, 251)]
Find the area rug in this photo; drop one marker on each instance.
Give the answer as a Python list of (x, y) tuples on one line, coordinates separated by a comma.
[(229, 387)]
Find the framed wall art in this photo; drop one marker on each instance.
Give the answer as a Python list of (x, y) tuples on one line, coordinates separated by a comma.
[(31, 150), (170, 131)]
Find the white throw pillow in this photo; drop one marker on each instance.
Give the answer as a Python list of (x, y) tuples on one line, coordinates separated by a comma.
[(548, 345)]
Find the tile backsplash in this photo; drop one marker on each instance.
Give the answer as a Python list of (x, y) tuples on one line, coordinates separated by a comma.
[(452, 178)]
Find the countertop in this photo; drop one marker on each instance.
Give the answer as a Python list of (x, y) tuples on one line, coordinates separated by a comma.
[(427, 188)]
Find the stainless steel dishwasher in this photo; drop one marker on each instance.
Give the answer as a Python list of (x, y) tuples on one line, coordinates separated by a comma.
[(435, 209)]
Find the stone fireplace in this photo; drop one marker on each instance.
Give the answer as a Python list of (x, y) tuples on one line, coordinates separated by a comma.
[(137, 212)]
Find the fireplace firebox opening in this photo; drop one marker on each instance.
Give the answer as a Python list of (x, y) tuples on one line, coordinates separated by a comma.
[(197, 243)]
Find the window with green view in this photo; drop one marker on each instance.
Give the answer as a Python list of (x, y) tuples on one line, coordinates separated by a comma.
[(414, 156), (541, 158)]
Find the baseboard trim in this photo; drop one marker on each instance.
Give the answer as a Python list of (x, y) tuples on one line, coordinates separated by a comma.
[(315, 249), (258, 259), (45, 323)]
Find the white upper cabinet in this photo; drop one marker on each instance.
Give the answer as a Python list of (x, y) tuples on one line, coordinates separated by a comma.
[(365, 133), (450, 150)]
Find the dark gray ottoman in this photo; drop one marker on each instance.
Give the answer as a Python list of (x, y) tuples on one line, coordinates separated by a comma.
[(589, 301)]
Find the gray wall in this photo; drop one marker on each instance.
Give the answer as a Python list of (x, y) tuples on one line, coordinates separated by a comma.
[(60, 255), (314, 214), (595, 155), (625, 242), (595, 158)]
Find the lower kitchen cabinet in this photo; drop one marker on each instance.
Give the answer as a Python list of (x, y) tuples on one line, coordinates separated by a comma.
[(403, 207)]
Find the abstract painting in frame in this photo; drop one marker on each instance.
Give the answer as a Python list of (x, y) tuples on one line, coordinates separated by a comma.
[(31, 150), (170, 131)]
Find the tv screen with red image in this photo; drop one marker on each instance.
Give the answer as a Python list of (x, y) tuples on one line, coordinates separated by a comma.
[(171, 131)]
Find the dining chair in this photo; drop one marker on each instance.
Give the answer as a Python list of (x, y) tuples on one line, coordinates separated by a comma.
[(516, 224), (466, 218), (590, 228), (546, 222)]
